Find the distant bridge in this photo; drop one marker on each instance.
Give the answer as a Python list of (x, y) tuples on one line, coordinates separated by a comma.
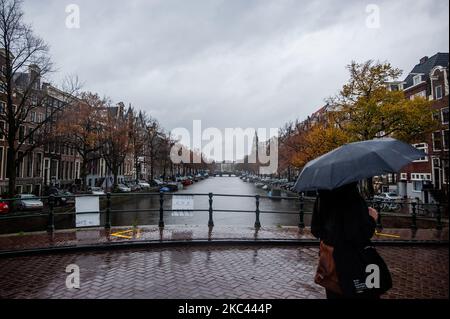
[(226, 173)]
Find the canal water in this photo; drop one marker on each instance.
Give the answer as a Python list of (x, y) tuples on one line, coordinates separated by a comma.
[(227, 210), (133, 209), (143, 209)]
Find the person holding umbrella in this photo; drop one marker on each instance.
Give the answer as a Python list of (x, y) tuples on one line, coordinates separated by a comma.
[(341, 219), (349, 266)]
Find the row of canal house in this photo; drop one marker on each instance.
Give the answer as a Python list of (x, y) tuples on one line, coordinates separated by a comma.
[(53, 163), (427, 179)]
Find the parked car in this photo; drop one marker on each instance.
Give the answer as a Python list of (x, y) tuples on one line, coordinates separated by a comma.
[(173, 187), (144, 184), (390, 196), (156, 183), (134, 187), (67, 198), (29, 202), (186, 181), (4, 207), (389, 201), (62, 197), (96, 191), (123, 188)]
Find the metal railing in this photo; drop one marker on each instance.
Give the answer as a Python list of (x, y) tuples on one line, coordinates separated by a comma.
[(413, 209)]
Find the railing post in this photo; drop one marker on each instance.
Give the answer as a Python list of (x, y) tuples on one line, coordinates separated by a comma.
[(301, 224), (210, 221), (161, 210), (377, 205), (108, 211), (51, 216), (257, 222), (414, 216), (438, 217)]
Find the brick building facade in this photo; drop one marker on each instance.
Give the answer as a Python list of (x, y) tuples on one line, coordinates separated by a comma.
[(427, 178)]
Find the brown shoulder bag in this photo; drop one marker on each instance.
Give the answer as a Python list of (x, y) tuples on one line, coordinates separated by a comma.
[(326, 275)]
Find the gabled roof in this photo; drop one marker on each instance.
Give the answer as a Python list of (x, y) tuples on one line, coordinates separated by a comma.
[(439, 59)]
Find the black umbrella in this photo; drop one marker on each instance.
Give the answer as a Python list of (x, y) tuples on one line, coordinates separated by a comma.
[(356, 161)]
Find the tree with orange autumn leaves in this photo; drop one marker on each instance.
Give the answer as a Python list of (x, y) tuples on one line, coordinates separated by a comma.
[(80, 128), (115, 140), (364, 109)]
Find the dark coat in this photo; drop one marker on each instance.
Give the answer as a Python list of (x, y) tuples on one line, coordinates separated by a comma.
[(341, 219)]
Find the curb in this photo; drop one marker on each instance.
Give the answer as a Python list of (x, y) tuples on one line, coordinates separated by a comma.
[(198, 243)]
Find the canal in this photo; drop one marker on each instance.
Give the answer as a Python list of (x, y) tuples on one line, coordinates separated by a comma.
[(129, 209), (233, 206), (133, 209)]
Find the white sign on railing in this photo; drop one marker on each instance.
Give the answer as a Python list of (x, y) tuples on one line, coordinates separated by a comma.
[(183, 204), (88, 204)]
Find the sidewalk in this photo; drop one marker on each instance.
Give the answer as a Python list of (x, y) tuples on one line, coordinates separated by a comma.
[(152, 234), (211, 272), (236, 269)]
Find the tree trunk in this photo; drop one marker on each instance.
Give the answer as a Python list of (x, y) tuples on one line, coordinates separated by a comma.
[(115, 175), (136, 168), (83, 174)]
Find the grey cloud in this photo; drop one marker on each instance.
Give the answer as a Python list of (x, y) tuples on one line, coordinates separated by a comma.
[(232, 63)]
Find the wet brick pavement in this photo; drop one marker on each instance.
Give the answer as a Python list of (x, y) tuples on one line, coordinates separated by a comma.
[(210, 272)]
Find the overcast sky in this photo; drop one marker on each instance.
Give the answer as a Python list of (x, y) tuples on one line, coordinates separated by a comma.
[(232, 63)]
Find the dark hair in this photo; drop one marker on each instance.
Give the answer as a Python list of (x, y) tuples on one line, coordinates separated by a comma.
[(336, 200)]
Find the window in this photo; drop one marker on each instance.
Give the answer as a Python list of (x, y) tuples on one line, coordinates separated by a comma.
[(21, 134), (66, 172), (444, 113), (2, 107), (445, 139), (437, 141), (5, 160), (403, 176), (417, 79), (423, 147), (2, 129), (417, 186), (30, 136), (30, 165), (33, 117), (420, 177), (438, 92), (436, 162), (77, 170), (422, 94), (19, 166), (38, 165), (395, 87)]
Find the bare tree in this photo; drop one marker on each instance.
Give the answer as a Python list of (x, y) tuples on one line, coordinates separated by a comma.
[(138, 138), (80, 128), (153, 143), (115, 140), (24, 62)]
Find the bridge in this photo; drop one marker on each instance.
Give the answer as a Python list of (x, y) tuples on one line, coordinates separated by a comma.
[(211, 260), (226, 174)]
